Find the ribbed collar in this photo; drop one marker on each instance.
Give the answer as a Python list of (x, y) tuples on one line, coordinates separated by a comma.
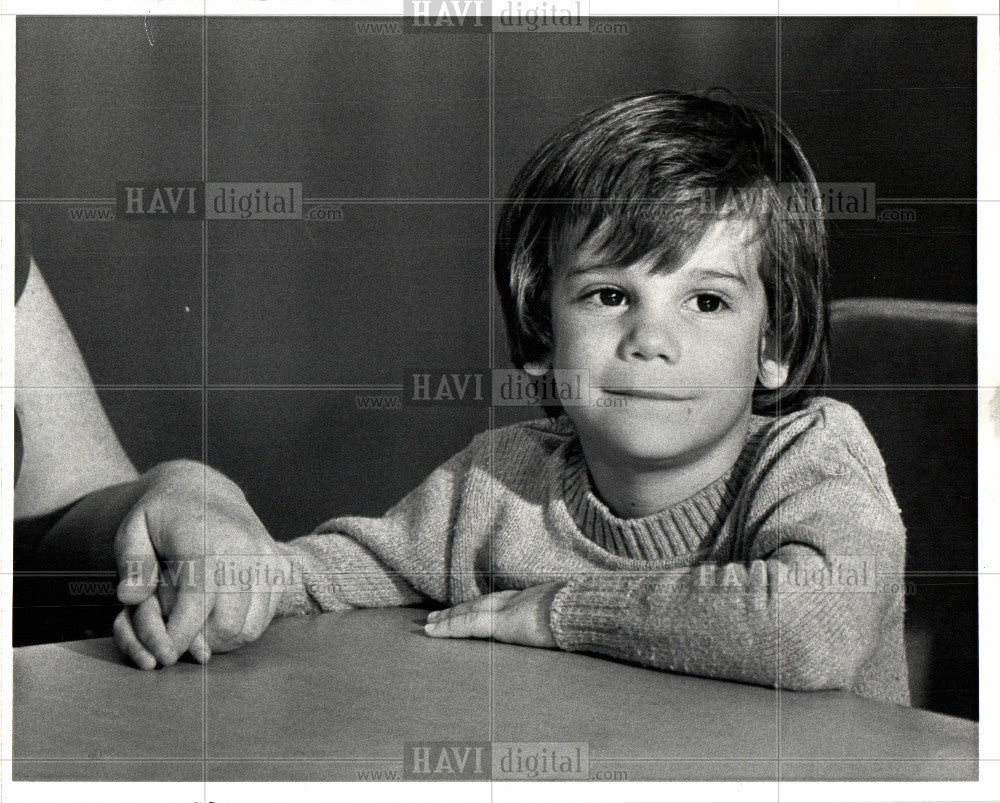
[(675, 531)]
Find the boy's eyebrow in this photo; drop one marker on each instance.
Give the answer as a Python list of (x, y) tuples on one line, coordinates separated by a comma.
[(592, 267), (739, 278), (700, 273)]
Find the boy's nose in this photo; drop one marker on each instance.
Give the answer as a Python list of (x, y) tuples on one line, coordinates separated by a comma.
[(650, 337)]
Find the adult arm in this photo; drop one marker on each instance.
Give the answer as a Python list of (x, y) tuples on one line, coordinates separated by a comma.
[(70, 448), (105, 515)]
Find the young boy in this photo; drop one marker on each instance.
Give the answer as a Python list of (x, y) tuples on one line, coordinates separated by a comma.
[(706, 512)]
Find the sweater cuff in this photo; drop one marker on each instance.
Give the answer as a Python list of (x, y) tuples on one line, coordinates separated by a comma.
[(295, 599), (587, 615)]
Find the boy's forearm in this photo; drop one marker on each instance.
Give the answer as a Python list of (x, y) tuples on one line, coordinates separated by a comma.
[(731, 628), (400, 558), (334, 572)]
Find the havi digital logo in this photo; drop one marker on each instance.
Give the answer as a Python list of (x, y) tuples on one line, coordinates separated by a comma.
[(144, 200)]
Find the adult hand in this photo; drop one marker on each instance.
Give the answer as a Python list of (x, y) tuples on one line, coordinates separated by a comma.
[(198, 569)]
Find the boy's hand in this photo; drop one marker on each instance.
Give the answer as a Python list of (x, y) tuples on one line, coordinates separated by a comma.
[(218, 584), (517, 617)]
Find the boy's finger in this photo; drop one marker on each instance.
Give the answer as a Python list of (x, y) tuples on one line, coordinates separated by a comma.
[(136, 559), (167, 595), (129, 643), (462, 621), (188, 616), (227, 623), (273, 601), (258, 614), (147, 621), (200, 650), (255, 612)]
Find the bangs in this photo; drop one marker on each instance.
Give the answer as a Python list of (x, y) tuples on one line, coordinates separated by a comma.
[(643, 179), (666, 231)]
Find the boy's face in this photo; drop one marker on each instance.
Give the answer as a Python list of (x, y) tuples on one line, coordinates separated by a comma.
[(672, 358)]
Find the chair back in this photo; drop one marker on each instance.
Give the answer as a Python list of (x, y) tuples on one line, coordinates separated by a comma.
[(909, 368)]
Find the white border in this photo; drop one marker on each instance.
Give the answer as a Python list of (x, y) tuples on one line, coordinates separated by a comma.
[(607, 8), (987, 789), (7, 128)]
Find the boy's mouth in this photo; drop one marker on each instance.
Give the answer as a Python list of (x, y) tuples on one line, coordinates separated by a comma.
[(646, 393)]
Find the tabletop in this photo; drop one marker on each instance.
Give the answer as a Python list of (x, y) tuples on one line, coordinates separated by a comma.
[(365, 695)]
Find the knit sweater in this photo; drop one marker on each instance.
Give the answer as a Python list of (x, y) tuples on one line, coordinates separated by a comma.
[(786, 571)]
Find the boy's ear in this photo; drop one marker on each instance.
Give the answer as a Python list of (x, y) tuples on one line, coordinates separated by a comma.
[(772, 370)]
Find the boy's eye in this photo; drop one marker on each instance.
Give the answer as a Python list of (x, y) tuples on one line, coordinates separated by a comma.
[(709, 302), (608, 297)]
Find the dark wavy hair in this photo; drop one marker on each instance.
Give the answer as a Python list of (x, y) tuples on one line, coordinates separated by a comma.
[(658, 169)]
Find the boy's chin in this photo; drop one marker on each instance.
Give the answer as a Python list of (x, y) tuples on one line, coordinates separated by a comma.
[(640, 443)]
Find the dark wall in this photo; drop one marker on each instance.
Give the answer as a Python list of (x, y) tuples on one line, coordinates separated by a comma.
[(247, 346)]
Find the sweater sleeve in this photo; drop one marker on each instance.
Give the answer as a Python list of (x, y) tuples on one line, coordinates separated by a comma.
[(399, 559), (802, 610)]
